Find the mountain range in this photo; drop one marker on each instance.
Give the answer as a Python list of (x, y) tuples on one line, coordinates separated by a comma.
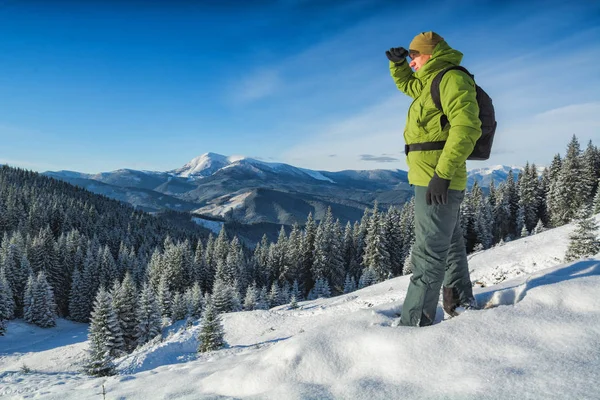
[(251, 191)]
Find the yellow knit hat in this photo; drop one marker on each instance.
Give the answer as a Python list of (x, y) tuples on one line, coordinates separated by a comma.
[(425, 42)]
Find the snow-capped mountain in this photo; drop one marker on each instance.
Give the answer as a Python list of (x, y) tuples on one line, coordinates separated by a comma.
[(255, 191), (496, 173)]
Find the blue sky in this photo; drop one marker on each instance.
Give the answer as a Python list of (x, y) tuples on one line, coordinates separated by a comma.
[(150, 85)]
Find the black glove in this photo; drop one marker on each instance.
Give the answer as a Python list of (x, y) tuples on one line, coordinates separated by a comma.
[(397, 54), (437, 190)]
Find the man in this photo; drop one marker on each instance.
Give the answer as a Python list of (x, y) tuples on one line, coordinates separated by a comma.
[(438, 174)]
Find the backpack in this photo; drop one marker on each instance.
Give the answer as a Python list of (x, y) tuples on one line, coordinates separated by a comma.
[(483, 146)]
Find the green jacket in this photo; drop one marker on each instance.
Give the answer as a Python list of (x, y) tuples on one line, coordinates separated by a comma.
[(459, 102)]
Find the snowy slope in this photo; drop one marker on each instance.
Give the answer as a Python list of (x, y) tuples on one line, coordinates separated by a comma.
[(539, 340)]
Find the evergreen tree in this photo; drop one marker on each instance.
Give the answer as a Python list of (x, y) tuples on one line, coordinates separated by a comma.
[(350, 284), (394, 240), (584, 240), (251, 298), (78, 311), (222, 297), (308, 247), (163, 296), (367, 278), (407, 227), (293, 303), (195, 301), (105, 337), (295, 291), (596, 203), (539, 228), (125, 304), (179, 307), (376, 256), (148, 316), (40, 302), (7, 304), (408, 265), (28, 303), (211, 335), (274, 295), (263, 300), (568, 191)]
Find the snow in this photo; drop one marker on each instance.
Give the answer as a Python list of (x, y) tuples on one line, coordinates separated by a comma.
[(214, 226), (316, 175), (222, 204), (538, 340)]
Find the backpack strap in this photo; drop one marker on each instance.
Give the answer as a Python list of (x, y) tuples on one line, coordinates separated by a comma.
[(435, 85)]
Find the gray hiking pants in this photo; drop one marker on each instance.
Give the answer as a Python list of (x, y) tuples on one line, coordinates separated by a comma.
[(438, 256)]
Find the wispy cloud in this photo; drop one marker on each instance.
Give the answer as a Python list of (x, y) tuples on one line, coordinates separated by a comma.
[(381, 158)]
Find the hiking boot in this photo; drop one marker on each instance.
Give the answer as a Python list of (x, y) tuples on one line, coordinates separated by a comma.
[(451, 300), (469, 305)]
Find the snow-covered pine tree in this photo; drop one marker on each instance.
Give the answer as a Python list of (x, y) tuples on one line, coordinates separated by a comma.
[(148, 316), (394, 240), (7, 304), (584, 240), (367, 278), (293, 302), (251, 298), (43, 305), (124, 298), (104, 322), (211, 335), (568, 191), (307, 253), (407, 227), (596, 202), (349, 284), (28, 304), (589, 177), (376, 256), (539, 228), (195, 301), (105, 337), (77, 304), (274, 295), (222, 297), (178, 307), (163, 296), (408, 265), (295, 291), (263, 300)]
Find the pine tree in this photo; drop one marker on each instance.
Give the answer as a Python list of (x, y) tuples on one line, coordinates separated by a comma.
[(367, 278), (250, 298), (376, 256), (539, 228), (293, 303), (178, 307), (596, 202), (125, 304), (274, 295), (584, 240), (105, 337), (163, 296), (78, 310), (211, 335), (263, 300), (568, 191), (28, 302), (148, 316), (43, 304), (195, 301), (222, 297), (408, 265), (295, 291), (349, 284), (7, 304)]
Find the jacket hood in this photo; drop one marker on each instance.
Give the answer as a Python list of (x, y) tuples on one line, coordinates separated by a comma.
[(443, 56)]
